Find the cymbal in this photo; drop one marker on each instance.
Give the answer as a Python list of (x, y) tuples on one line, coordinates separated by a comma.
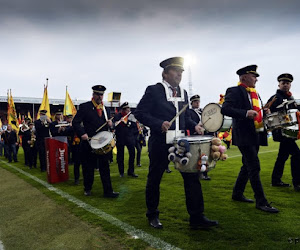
[(285, 103)]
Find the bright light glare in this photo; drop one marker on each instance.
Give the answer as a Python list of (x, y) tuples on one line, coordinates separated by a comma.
[(189, 60)]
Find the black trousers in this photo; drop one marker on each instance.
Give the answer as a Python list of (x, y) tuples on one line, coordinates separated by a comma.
[(250, 170), (138, 152), (120, 158), (42, 154), (90, 161), (26, 153), (158, 155), (76, 159), (286, 148), (32, 156)]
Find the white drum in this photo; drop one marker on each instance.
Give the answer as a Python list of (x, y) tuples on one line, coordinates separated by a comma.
[(213, 120), (199, 144), (103, 142), (281, 119)]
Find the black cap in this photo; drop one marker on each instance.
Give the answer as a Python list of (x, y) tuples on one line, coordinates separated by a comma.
[(59, 112), (124, 105), (195, 98), (69, 116), (27, 119), (173, 62), (285, 77), (98, 89), (43, 111), (251, 69), (30, 123)]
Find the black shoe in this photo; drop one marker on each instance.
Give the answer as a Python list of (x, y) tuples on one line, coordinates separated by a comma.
[(139, 165), (280, 184), (203, 223), (205, 178), (121, 175), (168, 171), (155, 223), (267, 208), (297, 188), (87, 193), (242, 199), (133, 175), (111, 195), (76, 182)]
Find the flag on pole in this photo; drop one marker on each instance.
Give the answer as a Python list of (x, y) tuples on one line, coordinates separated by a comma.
[(45, 103), (19, 119), (29, 116), (69, 108), (0, 124), (12, 113)]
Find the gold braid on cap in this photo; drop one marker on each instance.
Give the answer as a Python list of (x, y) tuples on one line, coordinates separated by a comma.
[(98, 91)]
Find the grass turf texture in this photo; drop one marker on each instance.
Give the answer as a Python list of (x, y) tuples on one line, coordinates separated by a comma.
[(242, 226)]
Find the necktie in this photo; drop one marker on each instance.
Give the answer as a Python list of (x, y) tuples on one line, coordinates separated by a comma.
[(174, 92)]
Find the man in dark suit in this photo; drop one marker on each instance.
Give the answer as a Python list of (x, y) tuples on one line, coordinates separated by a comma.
[(248, 133), (58, 130), (159, 105), (11, 141), (195, 113), (287, 145), (42, 131), (125, 137), (90, 117)]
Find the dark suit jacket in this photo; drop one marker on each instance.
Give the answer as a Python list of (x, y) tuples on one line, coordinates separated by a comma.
[(125, 132), (194, 117), (41, 131), (236, 105), (153, 109), (91, 121)]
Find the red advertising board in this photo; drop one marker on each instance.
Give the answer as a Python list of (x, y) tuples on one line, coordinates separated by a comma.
[(57, 159)]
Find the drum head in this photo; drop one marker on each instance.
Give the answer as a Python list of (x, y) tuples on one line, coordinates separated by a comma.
[(195, 138), (101, 139), (211, 117)]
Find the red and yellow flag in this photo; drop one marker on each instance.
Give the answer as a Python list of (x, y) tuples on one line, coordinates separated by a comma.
[(12, 113)]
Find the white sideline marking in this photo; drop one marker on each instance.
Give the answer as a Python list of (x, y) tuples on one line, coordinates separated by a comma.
[(1, 245), (264, 152), (135, 233)]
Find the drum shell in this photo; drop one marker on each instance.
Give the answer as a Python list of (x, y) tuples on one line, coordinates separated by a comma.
[(198, 145), (290, 132), (104, 146), (281, 119), (213, 120)]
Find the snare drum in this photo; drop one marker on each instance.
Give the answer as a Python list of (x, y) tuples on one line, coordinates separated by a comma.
[(213, 120), (199, 144), (103, 142), (291, 132), (281, 119)]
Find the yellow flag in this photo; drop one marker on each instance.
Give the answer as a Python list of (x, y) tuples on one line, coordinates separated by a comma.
[(45, 104), (0, 124), (29, 116), (69, 108), (12, 114)]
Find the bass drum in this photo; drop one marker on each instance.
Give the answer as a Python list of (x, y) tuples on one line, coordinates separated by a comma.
[(213, 120)]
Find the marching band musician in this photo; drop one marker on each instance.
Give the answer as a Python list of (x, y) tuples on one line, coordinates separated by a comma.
[(54, 128), (287, 145), (125, 137), (248, 133), (42, 131), (158, 106), (69, 132), (31, 141), (10, 142), (195, 113), (90, 117), (25, 133)]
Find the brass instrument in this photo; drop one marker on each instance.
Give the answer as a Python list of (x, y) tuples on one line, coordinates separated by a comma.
[(44, 121), (24, 127), (32, 139)]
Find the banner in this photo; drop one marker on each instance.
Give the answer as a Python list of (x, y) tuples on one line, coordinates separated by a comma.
[(12, 113), (45, 103), (69, 108)]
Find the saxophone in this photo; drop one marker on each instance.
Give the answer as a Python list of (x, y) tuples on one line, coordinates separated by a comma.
[(32, 139)]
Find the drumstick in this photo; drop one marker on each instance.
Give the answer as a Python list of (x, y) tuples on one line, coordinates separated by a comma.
[(103, 125), (178, 114), (269, 104)]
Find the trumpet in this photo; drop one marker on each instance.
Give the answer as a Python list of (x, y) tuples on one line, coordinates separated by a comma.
[(32, 139), (44, 121)]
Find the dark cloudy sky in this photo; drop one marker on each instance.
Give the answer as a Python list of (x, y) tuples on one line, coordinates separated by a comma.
[(119, 44)]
